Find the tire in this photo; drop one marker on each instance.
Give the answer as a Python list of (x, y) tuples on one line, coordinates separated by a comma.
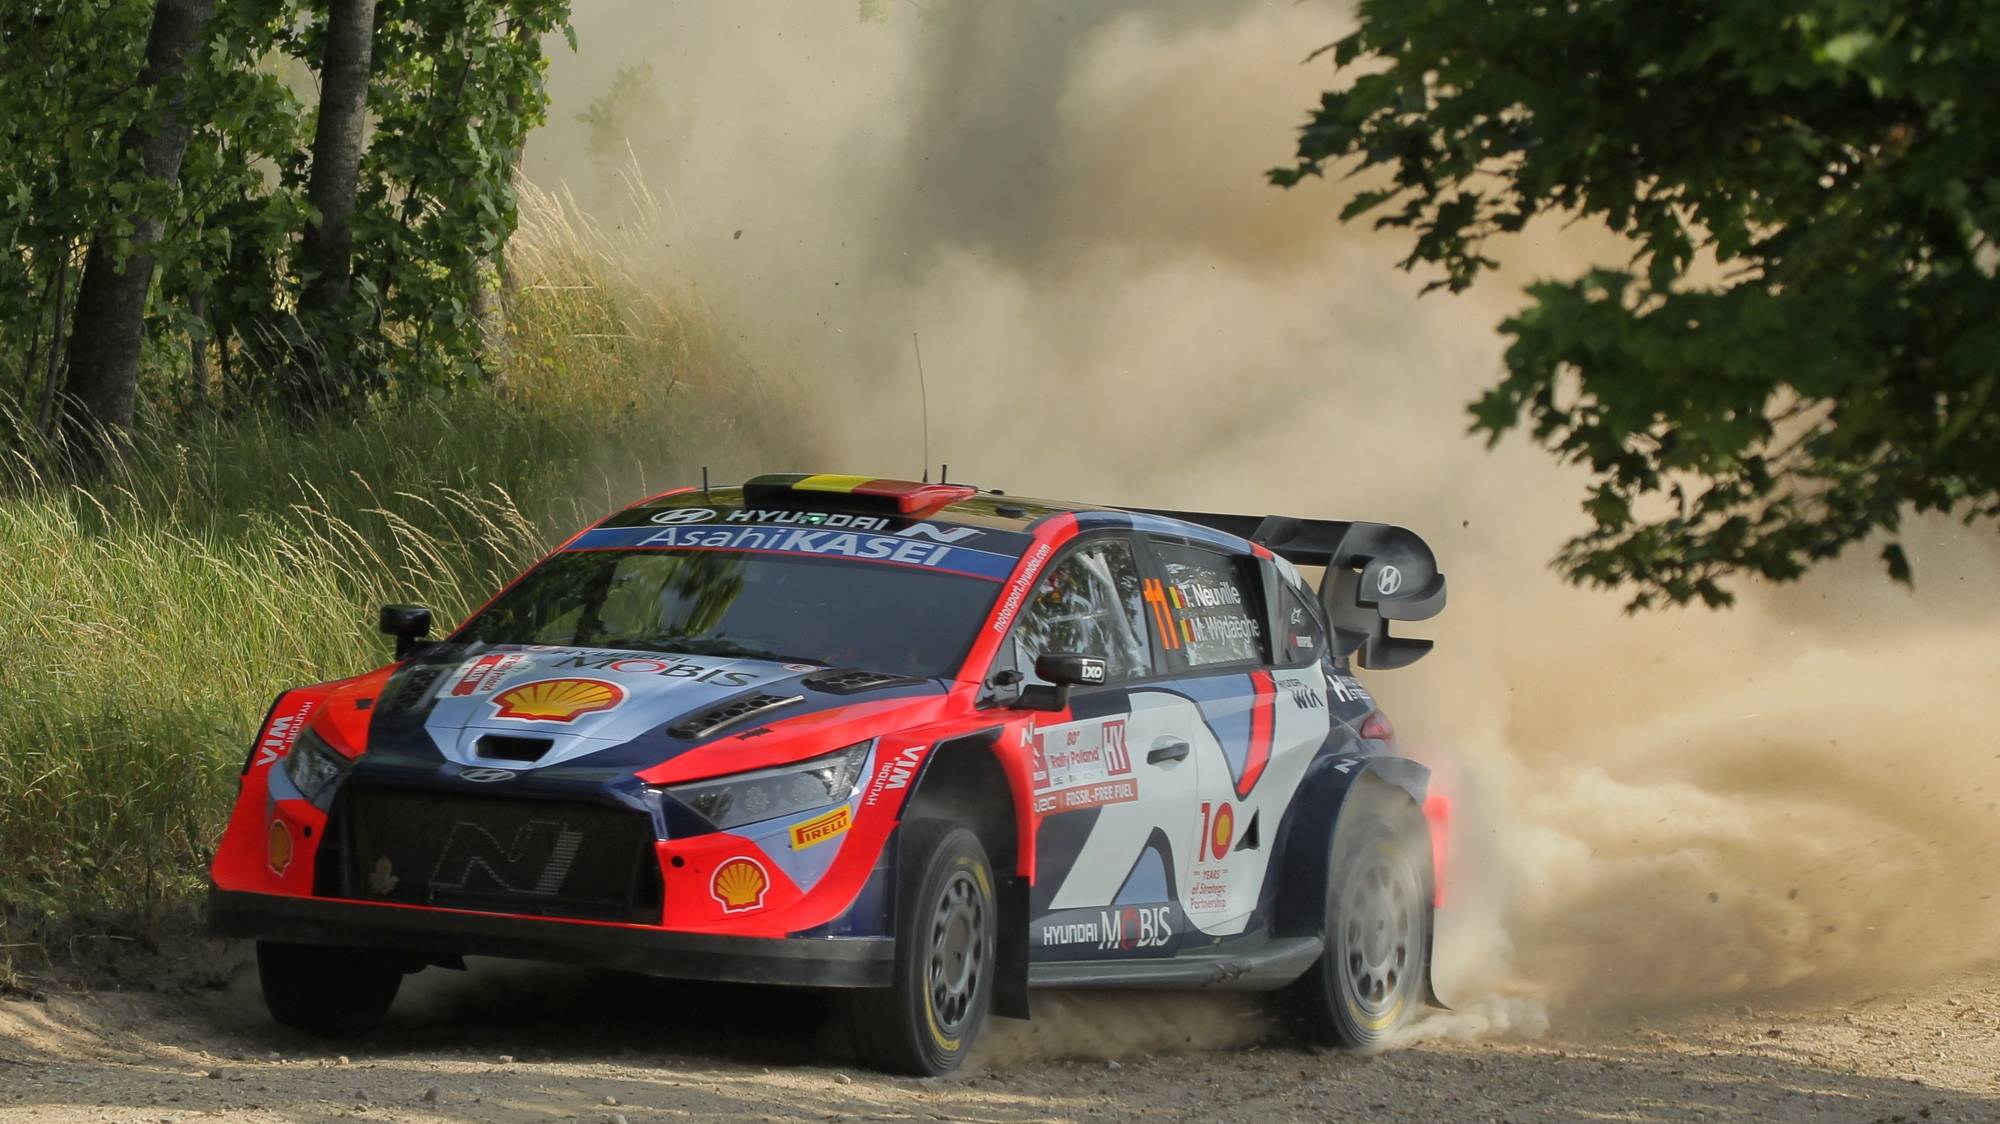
[(1370, 980), (325, 991), (925, 1023)]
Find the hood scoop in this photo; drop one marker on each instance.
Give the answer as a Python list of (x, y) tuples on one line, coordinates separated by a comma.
[(713, 721), (852, 681), (506, 747)]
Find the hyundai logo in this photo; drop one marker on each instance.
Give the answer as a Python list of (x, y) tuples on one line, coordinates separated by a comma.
[(486, 776), (684, 515), (1388, 581)]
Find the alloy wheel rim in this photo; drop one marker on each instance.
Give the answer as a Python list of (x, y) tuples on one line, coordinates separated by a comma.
[(1379, 923), (958, 950)]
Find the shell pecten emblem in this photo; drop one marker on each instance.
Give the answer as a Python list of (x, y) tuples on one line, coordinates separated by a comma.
[(557, 700), (739, 884)]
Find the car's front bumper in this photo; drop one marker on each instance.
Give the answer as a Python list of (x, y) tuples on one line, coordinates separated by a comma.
[(797, 961)]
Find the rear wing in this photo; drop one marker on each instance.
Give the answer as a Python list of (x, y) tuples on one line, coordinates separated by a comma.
[(1375, 573)]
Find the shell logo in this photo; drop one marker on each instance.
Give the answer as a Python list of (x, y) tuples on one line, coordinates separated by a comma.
[(1224, 832), (280, 846), (557, 700), (739, 884)]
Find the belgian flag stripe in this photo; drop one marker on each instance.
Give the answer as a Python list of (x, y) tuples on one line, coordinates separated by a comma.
[(829, 482)]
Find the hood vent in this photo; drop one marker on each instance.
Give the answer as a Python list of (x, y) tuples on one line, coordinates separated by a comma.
[(504, 747), (710, 722), (851, 681)]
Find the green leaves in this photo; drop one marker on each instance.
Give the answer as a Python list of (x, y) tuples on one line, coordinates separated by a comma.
[(1838, 160), (1844, 49), (458, 86)]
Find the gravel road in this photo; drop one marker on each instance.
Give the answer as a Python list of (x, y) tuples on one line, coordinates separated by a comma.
[(509, 1043)]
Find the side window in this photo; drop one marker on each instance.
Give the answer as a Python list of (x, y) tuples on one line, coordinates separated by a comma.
[(1303, 640), (1208, 609), (1089, 604)]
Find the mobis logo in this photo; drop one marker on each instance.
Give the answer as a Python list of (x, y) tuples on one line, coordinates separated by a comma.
[(1119, 929), (1136, 926)]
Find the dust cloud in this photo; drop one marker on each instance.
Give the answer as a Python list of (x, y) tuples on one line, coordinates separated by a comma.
[(1793, 800)]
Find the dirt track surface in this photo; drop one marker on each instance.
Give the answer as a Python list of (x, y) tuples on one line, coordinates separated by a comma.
[(513, 1044)]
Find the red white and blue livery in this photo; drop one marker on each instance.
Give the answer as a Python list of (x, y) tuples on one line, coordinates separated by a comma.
[(927, 745)]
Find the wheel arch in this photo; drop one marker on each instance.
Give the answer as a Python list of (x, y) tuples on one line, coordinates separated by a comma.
[(1295, 894), (969, 780), (965, 780)]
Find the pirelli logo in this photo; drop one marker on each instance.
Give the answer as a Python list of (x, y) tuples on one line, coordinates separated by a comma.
[(820, 829)]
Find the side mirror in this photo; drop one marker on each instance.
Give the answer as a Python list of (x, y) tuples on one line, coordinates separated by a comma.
[(409, 624), (1064, 670)]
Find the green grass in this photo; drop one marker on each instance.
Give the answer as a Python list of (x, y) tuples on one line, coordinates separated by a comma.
[(145, 624)]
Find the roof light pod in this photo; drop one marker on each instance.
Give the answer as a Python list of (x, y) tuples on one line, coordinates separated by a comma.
[(858, 493)]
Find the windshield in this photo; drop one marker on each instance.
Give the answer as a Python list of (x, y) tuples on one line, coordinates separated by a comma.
[(893, 619)]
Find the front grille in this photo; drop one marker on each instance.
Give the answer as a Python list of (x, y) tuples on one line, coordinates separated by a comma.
[(503, 856)]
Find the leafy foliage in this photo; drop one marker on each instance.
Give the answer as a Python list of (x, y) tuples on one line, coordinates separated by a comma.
[(1802, 347), (456, 86), (68, 83)]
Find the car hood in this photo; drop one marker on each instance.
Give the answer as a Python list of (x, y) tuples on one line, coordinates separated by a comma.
[(532, 708)]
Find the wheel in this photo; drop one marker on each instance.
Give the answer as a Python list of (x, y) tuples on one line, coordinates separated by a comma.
[(1369, 981), (925, 1022), (330, 992)]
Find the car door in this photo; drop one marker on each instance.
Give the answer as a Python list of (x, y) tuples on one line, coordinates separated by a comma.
[(1114, 780), (1256, 718)]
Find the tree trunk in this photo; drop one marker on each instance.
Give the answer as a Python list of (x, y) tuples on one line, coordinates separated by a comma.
[(198, 349), (496, 281), (111, 302), (325, 254), (47, 420)]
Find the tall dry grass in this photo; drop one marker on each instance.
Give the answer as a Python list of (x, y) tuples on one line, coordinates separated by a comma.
[(147, 622)]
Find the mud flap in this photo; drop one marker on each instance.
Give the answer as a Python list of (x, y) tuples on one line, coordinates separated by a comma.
[(1010, 978), (1430, 967), (1437, 819)]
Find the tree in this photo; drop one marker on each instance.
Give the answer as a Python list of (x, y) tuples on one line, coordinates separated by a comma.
[(325, 254), (458, 85), (1803, 346), (451, 88), (110, 306)]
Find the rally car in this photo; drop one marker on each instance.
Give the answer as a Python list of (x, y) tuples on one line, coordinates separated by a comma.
[(924, 745)]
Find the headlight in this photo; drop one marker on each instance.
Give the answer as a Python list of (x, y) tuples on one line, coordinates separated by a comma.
[(766, 794), (314, 767)]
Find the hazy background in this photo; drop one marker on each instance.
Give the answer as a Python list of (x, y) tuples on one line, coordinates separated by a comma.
[(1794, 797)]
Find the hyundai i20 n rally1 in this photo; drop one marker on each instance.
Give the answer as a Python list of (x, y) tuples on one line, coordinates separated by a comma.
[(927, 746)]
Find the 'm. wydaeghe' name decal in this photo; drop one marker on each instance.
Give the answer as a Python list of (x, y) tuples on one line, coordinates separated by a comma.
[(794, 540)]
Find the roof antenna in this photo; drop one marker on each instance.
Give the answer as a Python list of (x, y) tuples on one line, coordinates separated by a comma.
[(924, 397), (704, 484), (945, 476)]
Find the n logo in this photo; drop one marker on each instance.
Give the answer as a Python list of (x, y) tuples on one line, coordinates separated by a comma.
[(937, 534), (535, 861)]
